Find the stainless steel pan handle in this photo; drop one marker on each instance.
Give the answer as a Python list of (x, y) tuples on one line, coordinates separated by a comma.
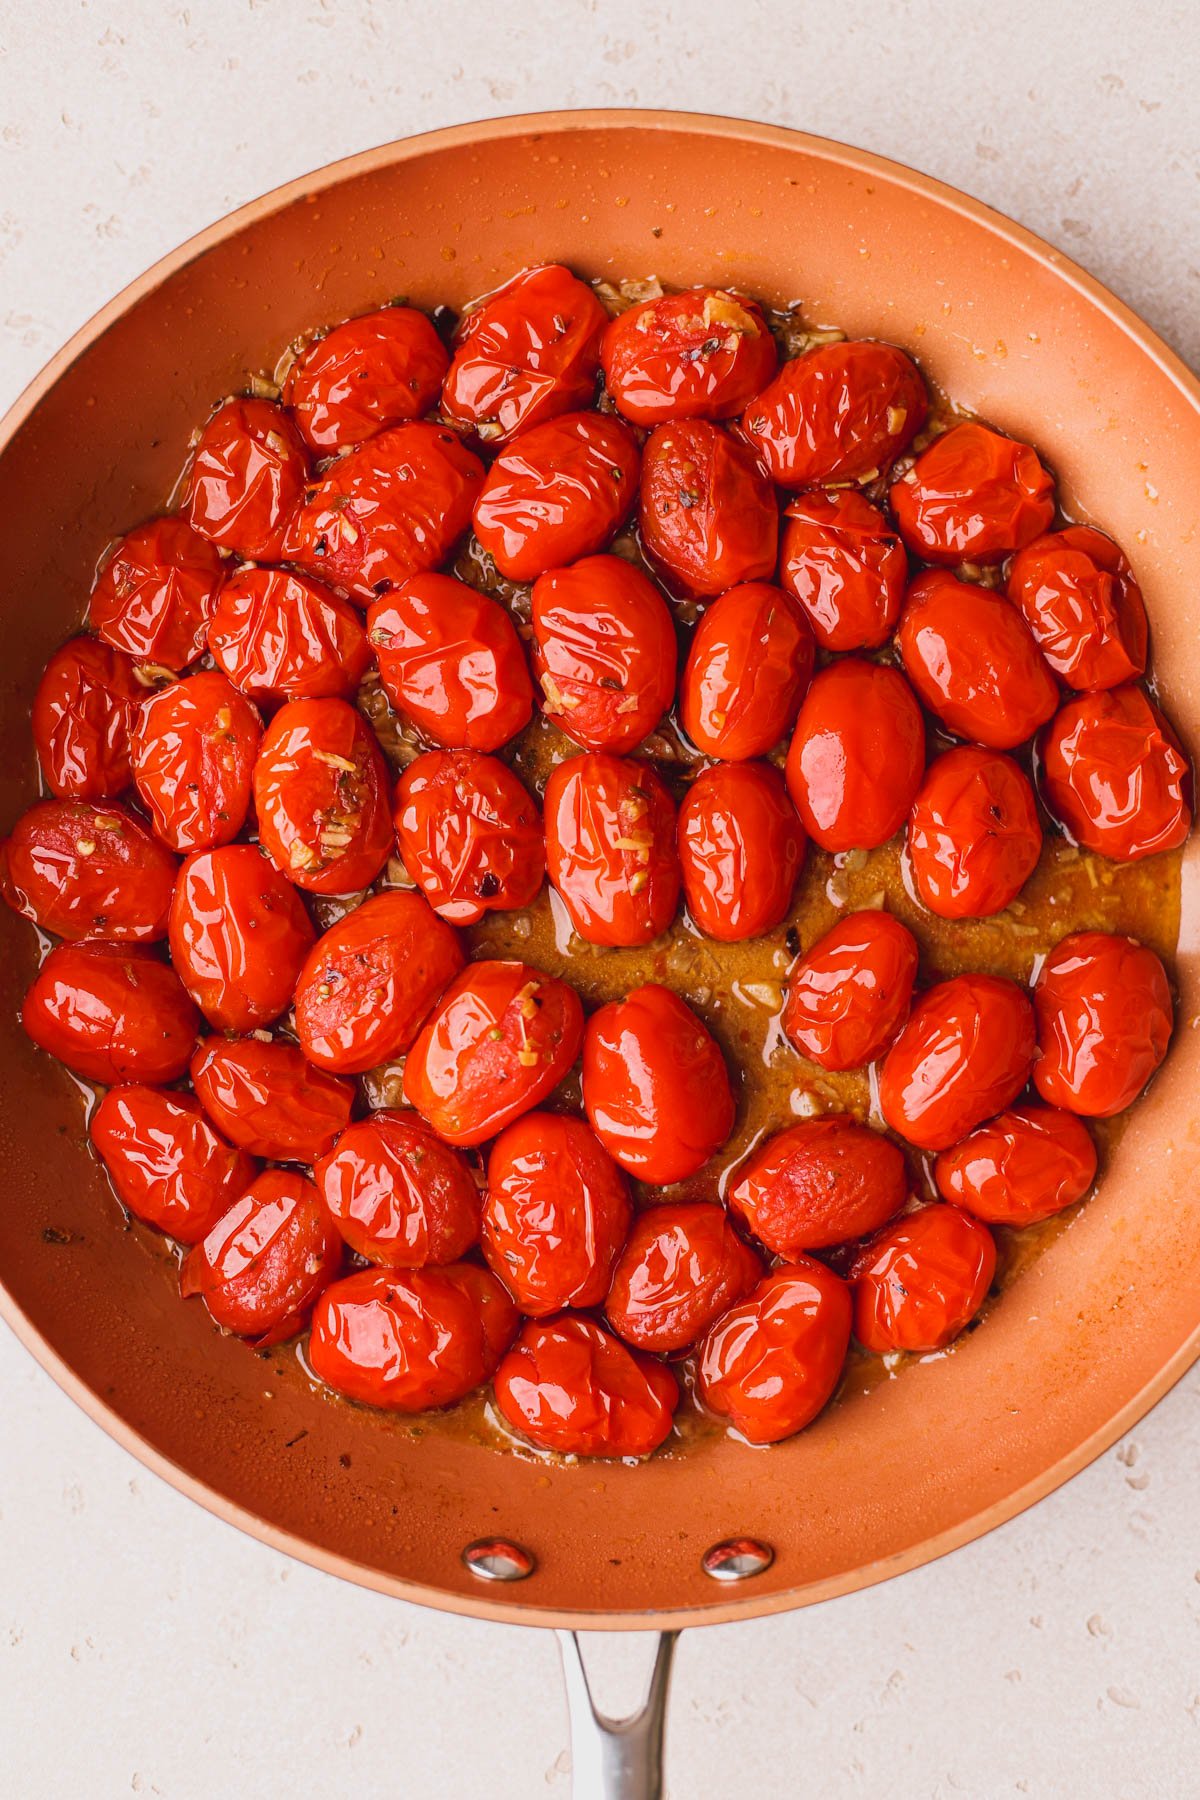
[(616, 1759)]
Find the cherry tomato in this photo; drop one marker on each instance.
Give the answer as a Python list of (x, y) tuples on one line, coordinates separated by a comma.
[(741, 849), (841, 412), (1114, 775), (610, 848), (397, 1194), (973, 834), (83, 713), (655, 1085), (1083, 605), (167, 1164), (604, 652), (972, 496), (559, 494), (569, 1385), (922, 1280), (819, 1183), (709, 517), (1104, 1020), (383, 368), (856, 756), (703, 354), (501, 1038), (469, 834), (112, 1013), (771, 1363), (279, 636), (247, 478), (239, 936), (748, 668), (450, 660), (973, 662), (683, 1265), (264, 1096), (964, 1056), (155, 595), (79, 870), (849, 995), (371, 982), (263, 1264), (1020, 1167), (321, 794), (556, 1213), (846, 567), (192, 752)]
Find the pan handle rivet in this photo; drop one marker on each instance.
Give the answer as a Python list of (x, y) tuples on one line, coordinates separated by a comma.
[(497, 1559), (737, 1559)]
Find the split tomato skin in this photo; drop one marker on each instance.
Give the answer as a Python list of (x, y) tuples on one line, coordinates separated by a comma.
[(857, 755), (557, 495), (81, 870), (841, 412), (1080, 599), (1113, 773), (192, 753), (818, 1183), (845, 566), (263, 1264), (702, 354), (771, 1363), (239, 934), (709, 517), (683, 1265), (972, 496), (971, 658), (321, 796), (265, 1097), (247, 479), (604, 652), (113, 1013), (281, 636), (964, 1055), (920, 1282), (397, 1194), (1105, 1018), (470, 835), (748, 669), (741, 849), (974, 837), (167, 1163), (1021, 1167), (155, 594), (610, 848), (569, 1385), (850, 993), (83, 715), (382, 368)]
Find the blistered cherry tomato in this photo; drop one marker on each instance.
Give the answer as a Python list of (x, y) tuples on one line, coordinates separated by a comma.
[(383, 368), (469, 834), (79, 870), (1104, 1020), (973, 662), (112, 1013), (559, 494), (569, 1385), (1023, 1166), (709, 517), (747, 670), (972, 496), (83, 713), (849, 995), (263, 1264), (655, 1085), (610, 848), (1114, 775), (818, 1183), (1081, 601), (167, 1163), (264, 1096), (964, 1055), (973, 834), (917, 1284), (239, 936), (741, 849), (682, 1266), (840, 412), (371, 981), (280, 636), (702, 354), (155, 594), (247, 478), (397, 1194), (604, 652), (193, 749), (321, 795), (502, 1036), (845, 566), (856, 756), (771, 1363)]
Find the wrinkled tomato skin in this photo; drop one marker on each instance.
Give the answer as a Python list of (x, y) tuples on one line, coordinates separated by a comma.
[(113, 1013), (83, 714), (192, 752), (1112, 772), (709, 518), (264, 1096), (1080, 599), (604, 652), (470, 835), (840, 412), (818, 1183), (845, 566), (973, 834), (771, 1363), (559, 494), (569, 1385), (610, 848), (397, 1194), (154, 596), (655, 1086), (683, 1265), (1019, 1168), (1105, 1017), (239, 936), (371, 981), (857, 755), (308, 801), (702, 354), (501, 1038), (741, 849), (964, 1055), (279, 636), (167, 1163), (921, 1281), (263, 1264), (971, 659), (247, 479), (849, 994), (748, 669), (972, 496), (451, 662), (382, 368), (80, 871)]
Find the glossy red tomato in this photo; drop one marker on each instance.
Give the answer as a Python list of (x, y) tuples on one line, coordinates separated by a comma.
[(604, 652), (83, 713), (921, 1281), (501, 1038), (683, 1265), (748, 668), (702, 354), (321, 795), (709, 518), (1114, 775), (818, 1183), (1081, 601), (841, 412), (856, 756), (167, 1163), (972, 496), (192, 752), (371, 982), (383, 368), (771, 1363), (451, 662), (849, 995), (265, 1261), (528, 352), (741, 849), (470, 835), (280, 636), (239, 936), (1023, 1166), (264, 1096), (655, 1085), (79, 870), (973, 834), (112, 1013), (569, 1385), (397, 1194), (846, 567), (1104, 1020), (559, 494), (964, 1056), (973, 662), (610, 848), (155, 594), (247, 478)]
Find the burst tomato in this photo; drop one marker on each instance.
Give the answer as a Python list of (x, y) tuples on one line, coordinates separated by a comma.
[(382, 368), (849, 995), (741, 849), (1104, 1017), (112, 1013), (917, 1284), (470, 835), (167, 1163), (604, 652), (709, 517), (279, 636), (1079, 598), (265, 1097), (972, 496), (569, 1385), (83, 714), (703, 354), (771, 1363), (559, 494), (1114, 775), (964, 1055), (973, 662), (397, 1194), (683, 1265), (856, 756), (819, 1183), (748, 668), (610, 848), (263, 1264), (247, 478), (155, 594), (973, 834), (1023, 1166), (846, 567), (841, 412), (192, 752), (239, 936), (321, 795), (79, 870)]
